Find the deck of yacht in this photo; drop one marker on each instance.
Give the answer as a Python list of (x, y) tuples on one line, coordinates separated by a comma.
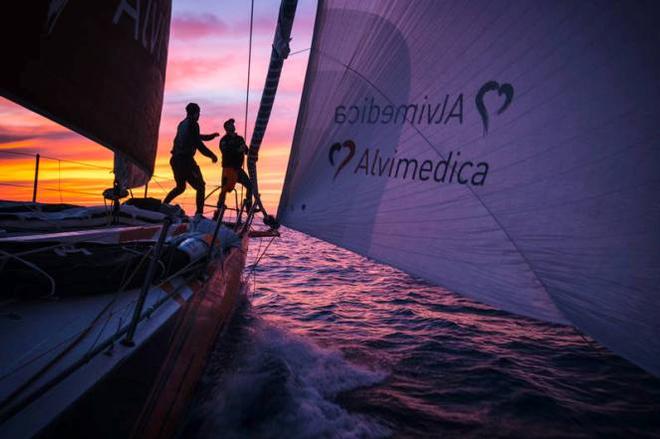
[(64, 358)]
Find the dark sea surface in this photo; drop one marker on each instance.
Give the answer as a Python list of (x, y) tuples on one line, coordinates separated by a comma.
[(332, 344)]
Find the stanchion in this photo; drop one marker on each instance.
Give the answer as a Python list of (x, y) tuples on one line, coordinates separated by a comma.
[(221, 213), (36, 178), (128, 341)]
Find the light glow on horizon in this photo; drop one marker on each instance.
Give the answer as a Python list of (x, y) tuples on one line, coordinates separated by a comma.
[(207, 64)]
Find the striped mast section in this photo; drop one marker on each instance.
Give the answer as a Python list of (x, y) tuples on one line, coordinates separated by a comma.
[(278, 54)]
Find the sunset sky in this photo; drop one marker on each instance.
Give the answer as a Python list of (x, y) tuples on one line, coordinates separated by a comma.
[(207, 64)]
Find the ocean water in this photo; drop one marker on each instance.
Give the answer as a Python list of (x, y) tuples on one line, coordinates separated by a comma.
[(331, 344)]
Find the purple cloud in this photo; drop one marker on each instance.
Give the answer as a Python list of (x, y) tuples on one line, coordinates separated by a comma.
[(188, 27)]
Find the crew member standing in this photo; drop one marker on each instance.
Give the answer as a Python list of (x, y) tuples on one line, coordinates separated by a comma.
[(187, 141), (233, 149)]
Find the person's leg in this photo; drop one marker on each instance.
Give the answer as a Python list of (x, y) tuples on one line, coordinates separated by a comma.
[(178, 190), (221, 202), (223, 189), (227, 184), (244, 179), (179, 178), (220, 210), (197, 181), (199, 200)]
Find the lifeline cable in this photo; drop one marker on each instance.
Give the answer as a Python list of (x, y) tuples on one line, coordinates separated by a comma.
[(256, 263)]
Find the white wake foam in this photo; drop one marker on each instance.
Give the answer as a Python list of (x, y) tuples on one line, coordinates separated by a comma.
[(284, 386)]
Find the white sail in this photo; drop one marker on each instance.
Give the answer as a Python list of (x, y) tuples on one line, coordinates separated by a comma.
[(509, 151)]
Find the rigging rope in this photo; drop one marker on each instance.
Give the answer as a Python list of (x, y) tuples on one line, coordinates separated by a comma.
[(253, 267), (5, 403), (9, 372), (35, 268), (299, 51), (247, 92)]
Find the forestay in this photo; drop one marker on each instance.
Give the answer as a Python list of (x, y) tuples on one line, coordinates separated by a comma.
[(97, 68), (508, 151)]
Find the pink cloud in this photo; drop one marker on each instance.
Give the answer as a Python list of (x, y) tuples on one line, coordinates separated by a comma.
[(197, 26), (189, 27), (181, 69)]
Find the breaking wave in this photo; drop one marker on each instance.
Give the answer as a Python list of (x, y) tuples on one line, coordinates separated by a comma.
[(278, 384)]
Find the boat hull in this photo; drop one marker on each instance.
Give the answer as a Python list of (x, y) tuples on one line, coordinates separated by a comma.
[(140, 389), (206, 316)]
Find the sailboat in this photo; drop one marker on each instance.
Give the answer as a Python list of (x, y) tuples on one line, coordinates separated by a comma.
[(109, 314), (508, 152)]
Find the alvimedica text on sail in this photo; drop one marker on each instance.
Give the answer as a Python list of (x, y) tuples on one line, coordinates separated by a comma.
[(376, 163)]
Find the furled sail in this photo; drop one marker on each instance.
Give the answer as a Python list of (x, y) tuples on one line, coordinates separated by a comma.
[(279, 53), (508, 151), (97, 68)]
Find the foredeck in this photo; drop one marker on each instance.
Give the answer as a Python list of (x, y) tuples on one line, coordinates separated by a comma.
[(52, 352)]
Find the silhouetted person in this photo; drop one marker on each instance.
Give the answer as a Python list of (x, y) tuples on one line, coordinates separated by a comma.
[(233, 149), (187, 141)]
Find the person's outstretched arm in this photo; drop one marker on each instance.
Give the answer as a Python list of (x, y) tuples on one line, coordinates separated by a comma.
[(200, 145), (207, 152), (207, 137)]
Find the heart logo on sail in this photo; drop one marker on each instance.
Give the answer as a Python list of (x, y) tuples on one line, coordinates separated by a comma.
[(335, 148), (504, 89)]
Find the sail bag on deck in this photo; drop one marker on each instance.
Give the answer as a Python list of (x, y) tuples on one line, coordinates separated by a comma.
[(96, 67), (509, 151)]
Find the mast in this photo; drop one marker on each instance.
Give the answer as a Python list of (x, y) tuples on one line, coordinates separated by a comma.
[(278, 54)]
